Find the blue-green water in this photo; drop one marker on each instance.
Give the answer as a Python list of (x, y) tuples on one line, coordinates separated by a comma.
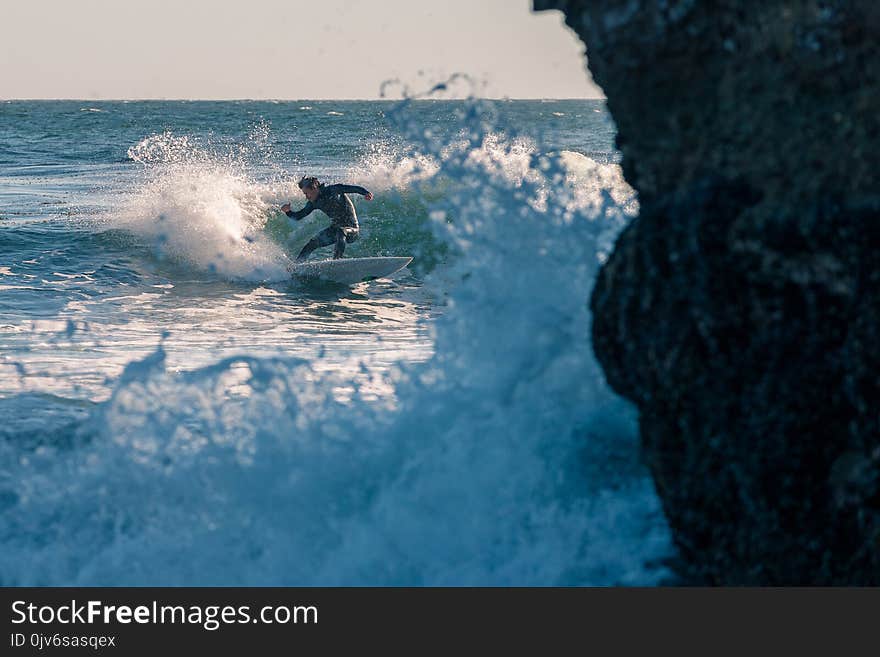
[(177, 410)]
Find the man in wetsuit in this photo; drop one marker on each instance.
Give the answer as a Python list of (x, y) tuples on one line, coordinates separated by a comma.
[(332, 201)]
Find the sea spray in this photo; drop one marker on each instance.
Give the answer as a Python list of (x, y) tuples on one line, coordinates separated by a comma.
[(201, 209)]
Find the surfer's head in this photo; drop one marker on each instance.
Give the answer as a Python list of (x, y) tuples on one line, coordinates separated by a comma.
[(310, 187)]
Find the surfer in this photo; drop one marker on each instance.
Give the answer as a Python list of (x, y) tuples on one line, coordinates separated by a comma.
[(332, 201)]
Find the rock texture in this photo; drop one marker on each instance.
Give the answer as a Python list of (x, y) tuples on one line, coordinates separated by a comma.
[(741, 311)]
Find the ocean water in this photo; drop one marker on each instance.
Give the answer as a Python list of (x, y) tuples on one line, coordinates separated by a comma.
[(176, 410)]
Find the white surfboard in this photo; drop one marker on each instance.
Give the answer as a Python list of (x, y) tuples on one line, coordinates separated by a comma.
[(348, 271)]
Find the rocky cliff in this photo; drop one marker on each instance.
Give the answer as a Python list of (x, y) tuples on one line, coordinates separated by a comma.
[(741, 310)]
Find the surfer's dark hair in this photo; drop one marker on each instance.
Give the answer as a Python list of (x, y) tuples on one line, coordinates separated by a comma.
[(309, 181)]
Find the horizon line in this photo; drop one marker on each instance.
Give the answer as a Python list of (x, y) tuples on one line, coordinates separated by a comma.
[(297, 100)]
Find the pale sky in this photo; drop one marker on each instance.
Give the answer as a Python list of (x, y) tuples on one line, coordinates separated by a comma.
[(281, 49)]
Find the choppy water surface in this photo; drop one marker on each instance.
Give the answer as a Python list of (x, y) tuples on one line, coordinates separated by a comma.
[(177, 410)]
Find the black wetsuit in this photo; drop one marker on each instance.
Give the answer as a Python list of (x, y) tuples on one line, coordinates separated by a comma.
[(343, 228)]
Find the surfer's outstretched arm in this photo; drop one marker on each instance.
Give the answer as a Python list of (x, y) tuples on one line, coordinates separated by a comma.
[(299, 214), (354, 189)]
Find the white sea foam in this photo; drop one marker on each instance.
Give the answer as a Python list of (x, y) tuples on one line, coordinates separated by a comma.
[(205, 214)]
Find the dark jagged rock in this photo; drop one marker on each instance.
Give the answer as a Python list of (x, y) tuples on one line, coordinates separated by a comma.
[(741, 310)]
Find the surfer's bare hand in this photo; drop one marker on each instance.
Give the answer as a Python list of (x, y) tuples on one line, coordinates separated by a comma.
[(369, 196), (285, 208)]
